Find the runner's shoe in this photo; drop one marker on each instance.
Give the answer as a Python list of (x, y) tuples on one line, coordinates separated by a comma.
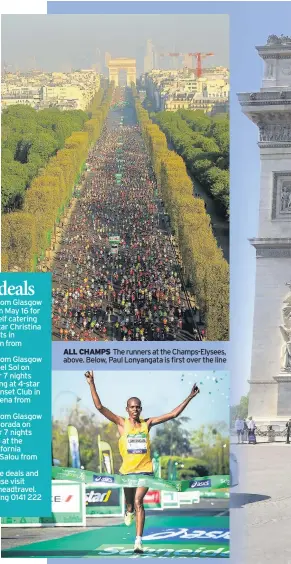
[(128, 518), (138, 549)]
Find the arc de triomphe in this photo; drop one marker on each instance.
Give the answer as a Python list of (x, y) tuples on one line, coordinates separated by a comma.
[(115, 65), (270, 110)]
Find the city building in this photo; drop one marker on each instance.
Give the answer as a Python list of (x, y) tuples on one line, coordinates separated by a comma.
[(172, 90), (43, 90), (149, 59)]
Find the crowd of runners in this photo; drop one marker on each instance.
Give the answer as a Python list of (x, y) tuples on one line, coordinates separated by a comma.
[(116, 274)]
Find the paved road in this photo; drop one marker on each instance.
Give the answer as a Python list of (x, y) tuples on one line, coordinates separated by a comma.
[(261, 505), (20, 537)]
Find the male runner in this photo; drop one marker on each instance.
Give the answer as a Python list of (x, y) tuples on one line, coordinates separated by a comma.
[(134, 446)]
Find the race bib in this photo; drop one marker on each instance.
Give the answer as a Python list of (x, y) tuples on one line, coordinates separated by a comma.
[(137, 444)]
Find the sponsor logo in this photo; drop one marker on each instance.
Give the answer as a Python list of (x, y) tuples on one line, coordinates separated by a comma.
[(94, 497), (65, 498), (159, 551), (99, 497), (60, 499), (225, 481), (200, 484), (152, 497), (184, 534), (105, 479)]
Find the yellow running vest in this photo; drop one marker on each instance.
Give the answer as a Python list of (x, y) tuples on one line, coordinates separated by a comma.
[(134, 448)]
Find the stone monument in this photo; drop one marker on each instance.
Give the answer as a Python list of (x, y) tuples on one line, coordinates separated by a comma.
[(270, 110), (116, 65)]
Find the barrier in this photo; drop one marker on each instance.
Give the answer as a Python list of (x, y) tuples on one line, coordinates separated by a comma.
[(187, 498), (102, 502), (215, 494), (153, 500), (68, 508), (174, 500), (170, 500), (207, 486)]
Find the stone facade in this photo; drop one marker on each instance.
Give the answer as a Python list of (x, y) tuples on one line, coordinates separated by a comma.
[(270, 110)]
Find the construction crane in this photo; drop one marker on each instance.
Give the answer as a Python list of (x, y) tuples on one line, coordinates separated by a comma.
[(199, 56)]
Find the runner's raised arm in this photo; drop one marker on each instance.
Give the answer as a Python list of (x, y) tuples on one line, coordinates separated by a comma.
[(175, 412), (89, 375)]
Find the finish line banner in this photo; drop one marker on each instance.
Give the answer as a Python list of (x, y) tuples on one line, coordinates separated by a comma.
[(207, 486), (155, 355)]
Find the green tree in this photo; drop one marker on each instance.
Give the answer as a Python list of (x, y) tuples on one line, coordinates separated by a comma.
[(240, 410), (201, 139), (187, 467), (29, 140), (172, 438), (88, 427), (211, 442)]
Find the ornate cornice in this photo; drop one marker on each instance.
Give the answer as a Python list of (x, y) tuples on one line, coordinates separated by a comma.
[(271, 248), (283, 377), (257, 104), (278, 95), (267, 145), (270, 242), (277, 47), (275, 56), (261, 382), (273, 253), (277, 132)]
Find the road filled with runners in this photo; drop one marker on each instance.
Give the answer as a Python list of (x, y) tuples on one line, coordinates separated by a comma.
[(116, 274)]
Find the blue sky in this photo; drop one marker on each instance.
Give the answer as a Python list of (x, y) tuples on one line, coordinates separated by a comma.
[(120, 35), (159, 392)]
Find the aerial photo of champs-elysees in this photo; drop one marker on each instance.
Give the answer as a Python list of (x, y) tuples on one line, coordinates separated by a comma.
[(115, 178)]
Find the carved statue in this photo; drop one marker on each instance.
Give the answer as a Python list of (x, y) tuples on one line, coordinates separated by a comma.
[(285, 39), (286, 334), (275, 132), (275, 40), (286, 197), (270, 70)]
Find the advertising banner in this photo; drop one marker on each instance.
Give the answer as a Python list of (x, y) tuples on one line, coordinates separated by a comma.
[(218, 486), (68, 508), (187, 498), (152, 500), (170, 500), (211, 486), (105, 456), (74, 446), (103, 502), (156, 466)]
